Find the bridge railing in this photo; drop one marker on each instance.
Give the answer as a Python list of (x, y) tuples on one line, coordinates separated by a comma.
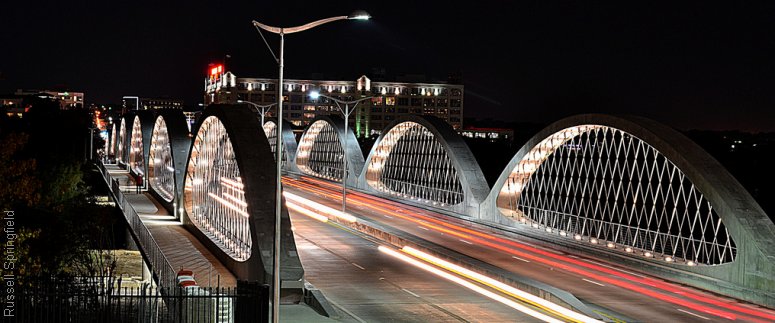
[(165, 274)]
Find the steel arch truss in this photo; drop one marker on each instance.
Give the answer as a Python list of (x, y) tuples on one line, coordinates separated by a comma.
[(112, 146), (215, 196), (228, 197), (121, 145), (411, 162), (161, 170), (606, 186), (421, 159), (136, 158), (321, 151)]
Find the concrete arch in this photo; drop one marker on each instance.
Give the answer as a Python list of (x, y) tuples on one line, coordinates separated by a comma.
[(235, 131), (289, 143), (310, 147), (121, 142), (144, 122), (170, 143), (747, 276), (466, 169)]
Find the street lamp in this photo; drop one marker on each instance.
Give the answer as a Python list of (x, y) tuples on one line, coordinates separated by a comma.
[(356, 15), (261, 109), (346, 113)]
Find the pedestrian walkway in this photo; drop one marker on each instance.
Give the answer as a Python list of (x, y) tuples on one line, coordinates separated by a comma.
[(179, 246)]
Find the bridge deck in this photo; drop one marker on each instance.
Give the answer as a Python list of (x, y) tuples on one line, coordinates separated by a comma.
[(180, 247)]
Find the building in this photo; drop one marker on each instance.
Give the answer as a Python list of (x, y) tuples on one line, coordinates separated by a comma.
[(67, 100), (133, 102), (391, 99)]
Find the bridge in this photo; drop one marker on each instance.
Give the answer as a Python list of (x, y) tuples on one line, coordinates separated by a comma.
[(596, 218)]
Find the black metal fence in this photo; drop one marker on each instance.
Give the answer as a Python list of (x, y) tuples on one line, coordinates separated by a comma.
[(98, 299)]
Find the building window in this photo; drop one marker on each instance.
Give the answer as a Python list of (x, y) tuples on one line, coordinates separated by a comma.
[(403, 101), (295, 115), (376, 101), (376, 109), (376, 117), (403, 110), (442, 102), (454, 111), (309, 116), (388, 118), (295, 98), (416, 102), (390, 100), (390, 110), (454, 119), (309, 108), (417, 110), (429, 103), (269, 98), (455, 103), (457, 92), (295, 107)]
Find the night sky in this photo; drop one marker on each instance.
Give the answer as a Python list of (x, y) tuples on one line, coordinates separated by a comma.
[(691, 65)]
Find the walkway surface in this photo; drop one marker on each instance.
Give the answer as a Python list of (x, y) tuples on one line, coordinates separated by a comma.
[(181, 248)]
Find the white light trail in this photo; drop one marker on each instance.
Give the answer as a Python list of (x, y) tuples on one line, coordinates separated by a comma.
[(300, 209), (320, 207), (469, 285), (499, 285)]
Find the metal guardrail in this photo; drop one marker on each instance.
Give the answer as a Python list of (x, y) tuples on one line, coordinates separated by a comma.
[(162, 269)]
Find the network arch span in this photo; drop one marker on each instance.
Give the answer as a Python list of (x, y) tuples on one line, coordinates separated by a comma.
[(169, 147), (421, 159), (121, 142), (229, 195), (321, 151), (639, 190), (139, 146), (289, 143)]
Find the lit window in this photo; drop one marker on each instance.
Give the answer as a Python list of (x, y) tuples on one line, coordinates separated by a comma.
[(390, 100)]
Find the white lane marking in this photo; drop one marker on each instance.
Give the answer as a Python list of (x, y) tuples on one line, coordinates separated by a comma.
[(424, 228), (359, 266), (387, 216), (591, 281), (690, 313), (410, 292), (518, 258), (614, 268), (465, 241)]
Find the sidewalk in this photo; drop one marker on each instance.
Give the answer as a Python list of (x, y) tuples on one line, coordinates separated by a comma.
[(180, 247)]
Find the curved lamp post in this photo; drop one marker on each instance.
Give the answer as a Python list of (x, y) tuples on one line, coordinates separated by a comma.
[(346, 113), (261, 109), (356, 15)]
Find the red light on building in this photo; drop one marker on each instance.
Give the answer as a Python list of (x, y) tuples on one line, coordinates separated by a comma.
[(220, 68), (214, 71)]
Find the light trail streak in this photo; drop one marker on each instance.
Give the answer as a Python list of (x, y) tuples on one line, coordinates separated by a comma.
[(469, 285), (320, 207), (509, 290), (302, 210), (456, 230)]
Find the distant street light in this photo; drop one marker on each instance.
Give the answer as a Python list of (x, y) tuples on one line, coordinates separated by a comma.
[(346, 113), (357, 15), (263, 108)]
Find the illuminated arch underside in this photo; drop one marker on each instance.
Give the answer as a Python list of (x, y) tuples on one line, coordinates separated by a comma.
[(121, 141), (320, 152), (136, 158), (606, 185), (410, 162), (112, 148), (215, 196), (161, 173)]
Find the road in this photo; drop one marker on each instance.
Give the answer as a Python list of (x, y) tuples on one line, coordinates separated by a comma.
[(617, 293)]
